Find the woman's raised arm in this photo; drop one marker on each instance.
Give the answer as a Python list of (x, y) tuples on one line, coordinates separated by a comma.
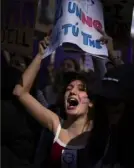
[(22, 90)]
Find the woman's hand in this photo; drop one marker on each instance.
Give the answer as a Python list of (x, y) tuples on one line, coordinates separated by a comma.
[(30, 73), (22, 90), (43, 45), (105, 39)]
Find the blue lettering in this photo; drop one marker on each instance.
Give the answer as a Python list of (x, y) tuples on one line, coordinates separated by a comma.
[(92, 43), (65, 27), (75, 30), (86, 38), (78, 12), (98, 45), (71, 8)]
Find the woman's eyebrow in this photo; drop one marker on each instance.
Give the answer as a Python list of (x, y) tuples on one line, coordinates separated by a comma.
[(81, 85), (70, 85)]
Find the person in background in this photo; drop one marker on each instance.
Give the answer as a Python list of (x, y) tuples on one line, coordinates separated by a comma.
[(105, 39), (115, 102), (69, 65), (19, 131), (100, 64), (8, 79), (109, 65), (72, 132), (46, 12)]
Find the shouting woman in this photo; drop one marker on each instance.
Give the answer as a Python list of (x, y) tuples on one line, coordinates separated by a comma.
[(71, 135)]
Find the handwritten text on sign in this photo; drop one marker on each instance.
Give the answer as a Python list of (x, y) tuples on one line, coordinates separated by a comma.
[(77, 24)]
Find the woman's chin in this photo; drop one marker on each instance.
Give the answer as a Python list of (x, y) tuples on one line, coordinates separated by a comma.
[(72, 112)]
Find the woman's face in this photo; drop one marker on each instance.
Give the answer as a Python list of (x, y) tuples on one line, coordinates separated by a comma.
[(68, 66), (76, 99)]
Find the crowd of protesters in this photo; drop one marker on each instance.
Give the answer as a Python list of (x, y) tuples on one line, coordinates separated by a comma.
[(77, 120)]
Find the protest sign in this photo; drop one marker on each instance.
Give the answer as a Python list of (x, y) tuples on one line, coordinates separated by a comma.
[(76, 22), (18, 26)]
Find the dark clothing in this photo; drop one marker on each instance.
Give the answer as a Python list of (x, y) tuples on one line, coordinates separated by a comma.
[(19, 134), (42, 154), (118, 83), (108, 158), (9, 77)]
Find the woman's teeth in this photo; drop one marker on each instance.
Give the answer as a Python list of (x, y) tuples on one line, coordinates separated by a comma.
[(73, 102)]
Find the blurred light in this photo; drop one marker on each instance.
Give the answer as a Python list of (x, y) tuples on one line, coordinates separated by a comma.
[(132, 26)]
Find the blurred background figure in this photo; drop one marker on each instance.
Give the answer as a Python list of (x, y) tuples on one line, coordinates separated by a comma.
[(109, 65), (47, 14), (115, 102), (114, 58), (19, 131)]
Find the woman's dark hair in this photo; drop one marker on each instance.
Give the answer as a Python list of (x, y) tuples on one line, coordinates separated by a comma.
[(99, 134), (59, 75), (89, 80)]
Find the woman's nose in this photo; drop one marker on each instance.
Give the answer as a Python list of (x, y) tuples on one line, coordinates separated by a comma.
[(74, 90)]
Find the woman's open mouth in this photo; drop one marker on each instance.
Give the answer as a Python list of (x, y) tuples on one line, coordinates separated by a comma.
[(72, 103)]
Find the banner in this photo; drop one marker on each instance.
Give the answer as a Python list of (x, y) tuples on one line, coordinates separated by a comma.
[(18, 19), (76, 22)]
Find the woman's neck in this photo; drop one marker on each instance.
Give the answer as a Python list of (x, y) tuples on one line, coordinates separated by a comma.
[(78, 125)]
